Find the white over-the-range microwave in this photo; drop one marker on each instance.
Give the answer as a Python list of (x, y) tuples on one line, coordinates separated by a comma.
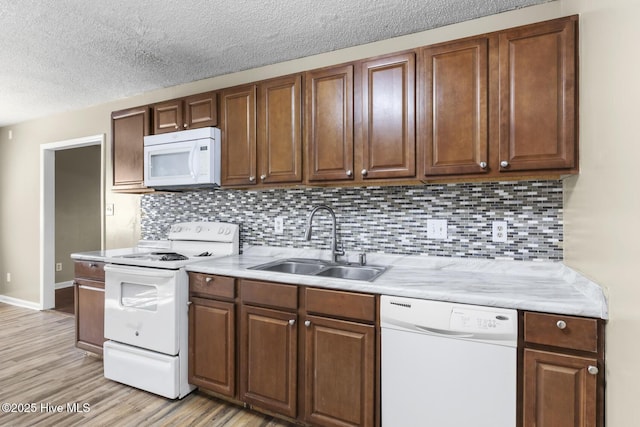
[(184, 159)]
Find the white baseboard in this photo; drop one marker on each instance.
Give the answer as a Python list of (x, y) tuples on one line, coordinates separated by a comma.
[(20, 302), (63, 285)]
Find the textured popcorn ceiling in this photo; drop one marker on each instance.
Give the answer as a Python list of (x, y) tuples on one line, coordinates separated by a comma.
[(68, 54)]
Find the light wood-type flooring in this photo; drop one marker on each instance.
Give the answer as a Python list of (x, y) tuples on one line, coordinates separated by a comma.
[(42, 371)]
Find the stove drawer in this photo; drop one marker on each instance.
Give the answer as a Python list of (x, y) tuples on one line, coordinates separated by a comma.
[(147, 370)]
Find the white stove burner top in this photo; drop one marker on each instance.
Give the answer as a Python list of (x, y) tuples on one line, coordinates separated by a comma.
[(189, 243)]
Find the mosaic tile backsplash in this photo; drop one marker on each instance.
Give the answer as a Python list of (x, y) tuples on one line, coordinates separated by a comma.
[(381, 219)]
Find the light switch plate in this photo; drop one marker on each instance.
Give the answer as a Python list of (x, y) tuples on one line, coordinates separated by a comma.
[(500, 231), (108, 209), (436, 229)]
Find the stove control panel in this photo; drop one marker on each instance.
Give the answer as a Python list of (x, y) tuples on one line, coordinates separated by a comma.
[(204, 231)]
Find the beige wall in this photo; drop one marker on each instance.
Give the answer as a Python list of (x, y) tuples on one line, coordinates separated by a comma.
[(78, 211), (602, 206)]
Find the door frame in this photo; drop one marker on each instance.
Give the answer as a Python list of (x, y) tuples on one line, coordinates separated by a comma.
[(48, 206)]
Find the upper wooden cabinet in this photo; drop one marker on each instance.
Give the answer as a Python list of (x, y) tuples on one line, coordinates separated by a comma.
[(192, 112), (280, 130), (129, 127), (454, 108), (262, 133), (538, 96), (329, 124), (387, 130), (498, 105), (238, 127)]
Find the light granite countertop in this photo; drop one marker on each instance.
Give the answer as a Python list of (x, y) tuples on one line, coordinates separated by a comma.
[(548, 287)]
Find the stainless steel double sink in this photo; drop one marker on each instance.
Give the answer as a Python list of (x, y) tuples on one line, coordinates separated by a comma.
[(317, 267)]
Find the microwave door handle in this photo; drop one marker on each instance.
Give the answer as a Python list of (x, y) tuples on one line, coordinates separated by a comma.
[(194, 165)]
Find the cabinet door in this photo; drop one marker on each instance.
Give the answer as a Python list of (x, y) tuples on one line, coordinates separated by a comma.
[(212, 345), (558, 390), (453, 108), (388, 117), (201, 110), (329, 124), (168, 116), (89, 308), (537, 96), (339, 378), (268, 359), (129, 127), (280, 130), (238, 127)]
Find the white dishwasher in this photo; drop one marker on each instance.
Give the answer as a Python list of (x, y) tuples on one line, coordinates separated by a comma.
[(447, 364)]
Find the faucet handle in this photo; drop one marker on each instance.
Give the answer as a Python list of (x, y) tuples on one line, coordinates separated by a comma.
[(362, 258)]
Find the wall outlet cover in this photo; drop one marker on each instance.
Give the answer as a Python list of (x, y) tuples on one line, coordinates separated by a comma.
[(436, 229), (278, 225), (499, 231)]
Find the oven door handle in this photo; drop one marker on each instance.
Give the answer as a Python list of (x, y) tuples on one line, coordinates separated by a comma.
[(139, 271)]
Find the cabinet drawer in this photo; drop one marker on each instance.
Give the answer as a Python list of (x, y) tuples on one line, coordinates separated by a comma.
[(214, 286), (576, 333), (269, 294), (89, 270), (341, 304)]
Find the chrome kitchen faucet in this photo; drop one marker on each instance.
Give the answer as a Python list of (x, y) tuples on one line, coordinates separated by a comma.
[(335, 253)]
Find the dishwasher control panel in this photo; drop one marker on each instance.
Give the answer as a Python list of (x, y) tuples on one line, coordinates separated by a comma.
[(450, 320), (470, 320)]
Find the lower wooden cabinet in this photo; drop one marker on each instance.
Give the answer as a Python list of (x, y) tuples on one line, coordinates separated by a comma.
[(562, 371), (89, 305), (305, 354), (268, 359), (212, 345), (339, 372), (559, 390), (212, 333)]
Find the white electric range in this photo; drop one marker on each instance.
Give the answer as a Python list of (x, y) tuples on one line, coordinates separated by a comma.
[(146, 306)]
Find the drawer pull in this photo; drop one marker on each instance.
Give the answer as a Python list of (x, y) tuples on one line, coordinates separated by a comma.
[(307, 323), (209, 279), (561, 324), (292, 322), (593, 370), (93, 265)]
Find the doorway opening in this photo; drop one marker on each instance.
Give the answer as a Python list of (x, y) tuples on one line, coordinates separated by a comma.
[(48, 210)]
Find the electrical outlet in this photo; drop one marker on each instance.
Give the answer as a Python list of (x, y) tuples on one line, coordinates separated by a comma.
[(278, 225), (108, 209), (500, 231), (436, 229), (58, 266)]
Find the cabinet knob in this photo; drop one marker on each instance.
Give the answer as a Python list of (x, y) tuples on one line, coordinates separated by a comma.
[(561, 324), (504, 164), (263, 177), (593, 370), (189, 303), (483, 165), (93, 265), (292, 322), (364, 172), (349, 172), (176, 126), (208, 279), (252, 178), (307, 323), (185, 125)]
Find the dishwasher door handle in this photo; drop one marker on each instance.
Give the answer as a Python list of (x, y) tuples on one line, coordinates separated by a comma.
[(444, 332)]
